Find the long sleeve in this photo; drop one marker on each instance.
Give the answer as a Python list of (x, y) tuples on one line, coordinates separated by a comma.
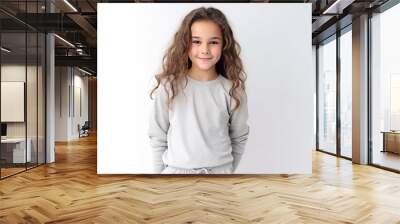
[(158, 127), (239, 130)]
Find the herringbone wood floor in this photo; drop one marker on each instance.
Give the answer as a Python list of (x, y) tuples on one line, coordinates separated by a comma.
[(70, 191)]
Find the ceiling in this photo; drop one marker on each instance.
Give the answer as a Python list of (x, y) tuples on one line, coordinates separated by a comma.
[(76, 22)]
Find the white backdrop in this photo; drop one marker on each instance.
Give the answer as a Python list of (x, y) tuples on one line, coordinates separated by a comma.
[(276, 51)]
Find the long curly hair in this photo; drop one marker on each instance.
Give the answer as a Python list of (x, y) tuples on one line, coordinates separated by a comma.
[(176, 62)]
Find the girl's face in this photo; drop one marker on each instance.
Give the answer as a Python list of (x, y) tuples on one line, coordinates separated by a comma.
[(206, 45)]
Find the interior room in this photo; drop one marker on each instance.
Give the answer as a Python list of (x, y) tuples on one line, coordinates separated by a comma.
[(49, 125)]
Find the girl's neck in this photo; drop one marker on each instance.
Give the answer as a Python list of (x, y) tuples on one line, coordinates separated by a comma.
[(202, 75)]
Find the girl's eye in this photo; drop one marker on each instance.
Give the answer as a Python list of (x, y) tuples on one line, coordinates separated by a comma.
[(214, 42), (195, 41)]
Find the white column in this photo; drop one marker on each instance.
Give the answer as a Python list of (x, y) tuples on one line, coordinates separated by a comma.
[(50, 93), (360, 90)]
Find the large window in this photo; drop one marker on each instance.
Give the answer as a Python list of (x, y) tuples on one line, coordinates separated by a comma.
[(346, 93), (334, 138), (327, 96), (385, 88)]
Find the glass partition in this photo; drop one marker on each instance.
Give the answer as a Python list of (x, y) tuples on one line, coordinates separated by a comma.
[(22, 67), (32, 95), (327, 96), (13, 105)]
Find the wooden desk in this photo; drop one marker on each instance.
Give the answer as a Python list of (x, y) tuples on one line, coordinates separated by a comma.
[(391, 141)]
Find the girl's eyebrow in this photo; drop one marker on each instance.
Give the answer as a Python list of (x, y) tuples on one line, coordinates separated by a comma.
[(212, 38)]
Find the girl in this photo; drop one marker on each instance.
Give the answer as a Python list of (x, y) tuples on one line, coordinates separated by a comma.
[(198, 122)]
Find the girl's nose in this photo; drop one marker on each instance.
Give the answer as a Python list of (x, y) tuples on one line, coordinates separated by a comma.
[(204, 49)]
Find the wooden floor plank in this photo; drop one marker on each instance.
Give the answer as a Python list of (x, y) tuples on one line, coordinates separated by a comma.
[(70, 191)]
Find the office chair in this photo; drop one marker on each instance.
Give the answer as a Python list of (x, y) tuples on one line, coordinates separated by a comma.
[(84, 130)]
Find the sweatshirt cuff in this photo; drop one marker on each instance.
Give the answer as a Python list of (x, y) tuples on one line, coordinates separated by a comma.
[(158, 164), (236, 160), (159, 168)]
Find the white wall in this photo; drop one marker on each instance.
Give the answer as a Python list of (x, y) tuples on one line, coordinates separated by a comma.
[(80, 84), (276, 51), (61, 103), (68, 81)]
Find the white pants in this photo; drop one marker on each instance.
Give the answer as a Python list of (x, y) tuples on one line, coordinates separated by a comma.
[(224, 169)]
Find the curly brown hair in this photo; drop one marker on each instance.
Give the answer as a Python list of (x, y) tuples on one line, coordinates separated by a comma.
[(176, 62)]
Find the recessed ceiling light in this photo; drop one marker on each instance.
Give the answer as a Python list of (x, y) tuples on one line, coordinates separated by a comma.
[(70, 5), (337, 7), (84, 71), (5, 50), (64, 40)]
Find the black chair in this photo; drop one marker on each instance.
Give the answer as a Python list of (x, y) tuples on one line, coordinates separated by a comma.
[(84, 130)]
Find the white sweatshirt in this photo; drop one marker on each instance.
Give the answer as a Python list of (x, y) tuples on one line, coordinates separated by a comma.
[(200, 129)]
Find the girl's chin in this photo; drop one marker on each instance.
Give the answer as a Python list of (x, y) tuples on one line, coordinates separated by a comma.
[(204, 66)]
